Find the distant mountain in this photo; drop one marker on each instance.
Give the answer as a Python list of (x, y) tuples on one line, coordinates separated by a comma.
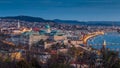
[(27, 18), (103, 23), (38, 19), (90, 23), (69, 21)]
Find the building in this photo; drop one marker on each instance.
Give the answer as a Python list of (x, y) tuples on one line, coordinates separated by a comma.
[(31, 37)]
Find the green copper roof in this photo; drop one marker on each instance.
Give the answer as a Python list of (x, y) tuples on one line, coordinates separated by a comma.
[(42, 32), (29, 33), (47, 26)]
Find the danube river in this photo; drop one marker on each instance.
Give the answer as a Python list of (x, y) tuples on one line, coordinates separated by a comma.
[(112, 41)]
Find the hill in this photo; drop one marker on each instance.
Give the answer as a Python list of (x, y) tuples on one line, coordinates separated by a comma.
[(38, 19), (27, 18)]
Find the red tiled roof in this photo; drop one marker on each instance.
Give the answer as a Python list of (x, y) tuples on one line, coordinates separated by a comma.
[(36, 29), (53, 52)]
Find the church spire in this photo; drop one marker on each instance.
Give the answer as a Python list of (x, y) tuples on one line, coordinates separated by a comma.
[(104, 44)]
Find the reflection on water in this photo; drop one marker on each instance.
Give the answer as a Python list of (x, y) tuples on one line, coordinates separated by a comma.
[(112, 39)]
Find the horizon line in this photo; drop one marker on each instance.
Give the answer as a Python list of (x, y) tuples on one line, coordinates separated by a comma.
[(63, 19)]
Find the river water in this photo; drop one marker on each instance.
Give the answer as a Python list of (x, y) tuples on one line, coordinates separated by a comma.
[(112, 41)]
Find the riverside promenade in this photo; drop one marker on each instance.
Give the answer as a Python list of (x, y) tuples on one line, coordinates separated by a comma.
[(88, 36)]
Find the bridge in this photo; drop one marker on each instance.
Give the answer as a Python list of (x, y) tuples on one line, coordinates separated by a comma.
[(90, 35), (108, 44)]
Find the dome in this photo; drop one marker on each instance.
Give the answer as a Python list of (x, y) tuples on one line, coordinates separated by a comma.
[(47, 26), (42, 32), (29, 33), (56, 32)]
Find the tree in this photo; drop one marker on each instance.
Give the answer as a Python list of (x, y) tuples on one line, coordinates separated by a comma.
[(110, 58), (34, 63), (117, 64), (59, 65), (23, 64)]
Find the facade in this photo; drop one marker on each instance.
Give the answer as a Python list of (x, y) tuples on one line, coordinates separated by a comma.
[(31, 37), (75, 40)]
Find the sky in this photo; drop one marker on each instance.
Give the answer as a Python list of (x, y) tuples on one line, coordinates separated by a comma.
[(82, 10)]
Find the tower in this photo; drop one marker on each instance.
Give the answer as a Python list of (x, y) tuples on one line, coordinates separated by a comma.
[(104, 51), (104, 44), (18, 24)]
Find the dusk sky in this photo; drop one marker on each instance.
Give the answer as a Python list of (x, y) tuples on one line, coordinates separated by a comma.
[(82, 10)]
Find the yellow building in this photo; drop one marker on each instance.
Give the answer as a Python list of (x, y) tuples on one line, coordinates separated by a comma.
[(16, 56)]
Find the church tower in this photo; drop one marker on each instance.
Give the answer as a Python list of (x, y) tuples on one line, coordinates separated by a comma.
[(104, 44)]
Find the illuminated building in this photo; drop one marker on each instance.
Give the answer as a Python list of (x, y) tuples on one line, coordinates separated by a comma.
[(32, 37)]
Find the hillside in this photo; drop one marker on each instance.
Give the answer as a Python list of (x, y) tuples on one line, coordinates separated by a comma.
[(38, 19), (27, 18)]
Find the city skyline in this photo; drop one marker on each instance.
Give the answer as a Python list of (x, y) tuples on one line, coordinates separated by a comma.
[(82, 10)]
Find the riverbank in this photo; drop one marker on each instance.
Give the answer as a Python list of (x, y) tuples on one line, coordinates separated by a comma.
[(112, 41), (85, 39)]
